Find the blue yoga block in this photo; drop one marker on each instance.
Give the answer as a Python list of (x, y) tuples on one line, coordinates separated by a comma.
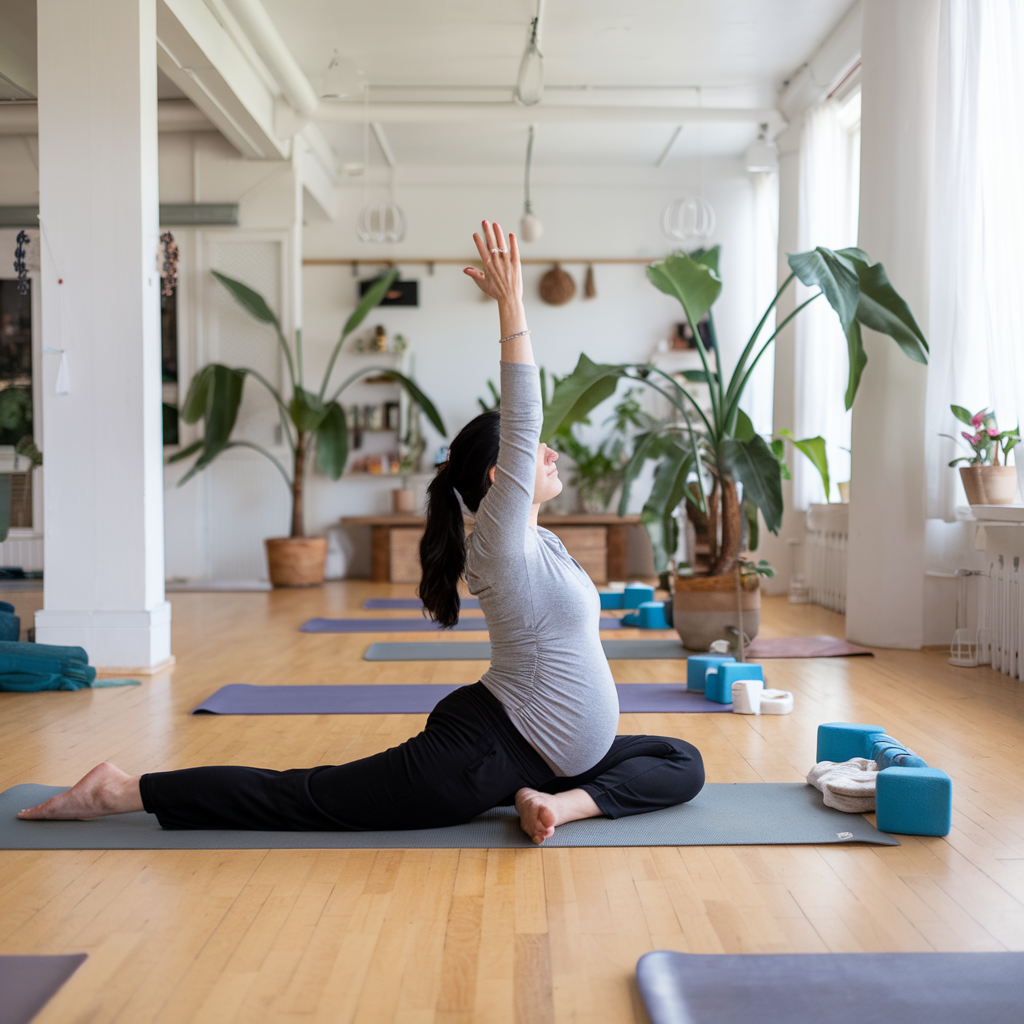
[(840, 741), (914, 801), (889, 753), (636, 594), (652, 615), (719, 685), (612, 599), (697, 666)]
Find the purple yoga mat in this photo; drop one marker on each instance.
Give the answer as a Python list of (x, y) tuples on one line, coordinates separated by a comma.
[(421, 625), (407, 604), (27, 983), (417, 698)]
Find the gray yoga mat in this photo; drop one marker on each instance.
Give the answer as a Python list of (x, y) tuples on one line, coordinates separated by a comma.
[(832, 988), (408, 604), (419, 625), (28, 983), (723, 814), (416, 698), (480, 650)]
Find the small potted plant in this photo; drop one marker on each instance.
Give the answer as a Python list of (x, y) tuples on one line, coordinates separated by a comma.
[(985, 481)]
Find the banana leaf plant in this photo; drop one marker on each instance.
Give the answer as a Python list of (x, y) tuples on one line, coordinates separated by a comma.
[(308, 418), (707, 456)]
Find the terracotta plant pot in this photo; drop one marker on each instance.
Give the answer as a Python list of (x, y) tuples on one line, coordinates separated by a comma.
[(703, 606), (403, 500), (296, 561), (989, 485)]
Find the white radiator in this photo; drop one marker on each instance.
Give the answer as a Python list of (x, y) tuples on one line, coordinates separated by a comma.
[(825, 555), (1001, 608)]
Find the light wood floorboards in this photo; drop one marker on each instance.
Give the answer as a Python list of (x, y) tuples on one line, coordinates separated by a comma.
[(484, 937)]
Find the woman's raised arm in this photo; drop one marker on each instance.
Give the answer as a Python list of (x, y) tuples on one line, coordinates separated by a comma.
[(502, 280)]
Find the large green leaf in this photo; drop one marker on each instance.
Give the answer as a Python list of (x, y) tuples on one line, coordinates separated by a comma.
[(421, 400), (576, 395), (194, 406), (332, 442), (753, 526), (962, 414), (372, 298), (221, 386), (695, 285), (858, 359), (709, 257), (306, 410), (187, 453), (882, 309), (744, 429), (753, 465), (834, 275), (250, 300), (659, 514), (814, 449)]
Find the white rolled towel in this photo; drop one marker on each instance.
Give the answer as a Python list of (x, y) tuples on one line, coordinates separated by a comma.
[(846, 785)]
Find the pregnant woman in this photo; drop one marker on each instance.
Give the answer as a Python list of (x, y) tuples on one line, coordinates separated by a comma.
[(538, 730)]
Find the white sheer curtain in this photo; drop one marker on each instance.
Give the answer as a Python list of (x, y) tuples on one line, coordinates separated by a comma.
[(759, 396), (976, 318), (829, 186)]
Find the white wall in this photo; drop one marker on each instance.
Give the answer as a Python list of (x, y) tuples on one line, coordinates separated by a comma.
[(453, 333)]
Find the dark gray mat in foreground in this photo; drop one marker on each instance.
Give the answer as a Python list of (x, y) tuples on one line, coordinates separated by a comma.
[(832, 988), (477, 624), (28, 983), (417, 698), (723, 814), (480, 650)]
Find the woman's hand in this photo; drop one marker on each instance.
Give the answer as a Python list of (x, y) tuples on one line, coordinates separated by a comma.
[(502, 277)]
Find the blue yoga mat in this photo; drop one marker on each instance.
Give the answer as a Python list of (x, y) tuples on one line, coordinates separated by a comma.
[(418, 698), (832, 988), (480, 650), (420, 625), (407, 604)]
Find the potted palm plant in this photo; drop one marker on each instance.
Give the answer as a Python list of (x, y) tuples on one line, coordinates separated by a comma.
[(732, 472), (309, 420)]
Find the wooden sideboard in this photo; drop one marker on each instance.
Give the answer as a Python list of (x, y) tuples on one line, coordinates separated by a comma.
[(597, 542)]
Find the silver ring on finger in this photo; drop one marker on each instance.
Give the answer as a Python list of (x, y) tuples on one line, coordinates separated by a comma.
[(502, 251)]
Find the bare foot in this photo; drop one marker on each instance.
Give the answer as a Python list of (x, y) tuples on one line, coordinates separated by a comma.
[(105, 790), (540, 813)]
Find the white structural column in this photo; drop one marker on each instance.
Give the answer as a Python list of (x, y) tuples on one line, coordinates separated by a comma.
[(885, 582), (104, 570)]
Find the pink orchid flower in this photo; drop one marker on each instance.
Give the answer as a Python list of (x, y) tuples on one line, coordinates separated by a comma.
[(993, 432), (970, 438), (977, 419)]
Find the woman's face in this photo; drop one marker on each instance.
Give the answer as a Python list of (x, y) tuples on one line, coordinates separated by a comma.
[(546, 484)]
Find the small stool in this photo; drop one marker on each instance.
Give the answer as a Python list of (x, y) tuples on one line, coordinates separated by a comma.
[(914, 801), (697, 666), (718, 686), (841, 741)]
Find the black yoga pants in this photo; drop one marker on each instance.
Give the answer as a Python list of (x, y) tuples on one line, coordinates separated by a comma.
[(469, 758)]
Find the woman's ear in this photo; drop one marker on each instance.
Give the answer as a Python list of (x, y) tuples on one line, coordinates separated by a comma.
[(491, 474)]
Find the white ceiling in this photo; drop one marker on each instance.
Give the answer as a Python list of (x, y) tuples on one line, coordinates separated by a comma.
[(738, 52)]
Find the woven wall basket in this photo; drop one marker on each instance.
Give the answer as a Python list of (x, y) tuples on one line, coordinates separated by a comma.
[(557, 287)]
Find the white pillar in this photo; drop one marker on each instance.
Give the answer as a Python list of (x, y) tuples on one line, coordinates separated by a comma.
[(885, 576), (104, 570)]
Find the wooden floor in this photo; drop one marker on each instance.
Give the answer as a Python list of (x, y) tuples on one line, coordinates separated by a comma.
[(509, 935)]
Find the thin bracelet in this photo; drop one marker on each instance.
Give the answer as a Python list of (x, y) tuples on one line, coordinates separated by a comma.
[(511, 336)]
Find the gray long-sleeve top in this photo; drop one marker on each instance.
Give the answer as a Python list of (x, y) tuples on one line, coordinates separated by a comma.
[(548, 668)]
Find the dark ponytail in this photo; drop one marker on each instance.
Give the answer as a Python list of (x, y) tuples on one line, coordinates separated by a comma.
[(472, 455)]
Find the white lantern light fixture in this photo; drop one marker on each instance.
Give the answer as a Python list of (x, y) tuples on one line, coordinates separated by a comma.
[(689, 221), (530, 227), (382, 221), (530, 81)]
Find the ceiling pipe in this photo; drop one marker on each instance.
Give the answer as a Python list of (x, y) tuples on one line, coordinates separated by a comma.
[(511, 113), (263, 35), (172, 116)]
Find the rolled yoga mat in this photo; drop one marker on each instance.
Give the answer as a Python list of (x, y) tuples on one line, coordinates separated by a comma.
[(480, 650), (420, 625), (832, 988), (28, 983), (416, 698), (722, 814)]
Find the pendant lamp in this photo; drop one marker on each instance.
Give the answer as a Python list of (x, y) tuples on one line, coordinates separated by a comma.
[(530, 227), (530, 81), (382, 221)]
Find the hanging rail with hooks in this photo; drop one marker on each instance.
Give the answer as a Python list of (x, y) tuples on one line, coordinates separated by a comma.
[(385, 261)]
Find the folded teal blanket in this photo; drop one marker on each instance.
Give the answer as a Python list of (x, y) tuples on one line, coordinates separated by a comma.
[(26, 668)]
